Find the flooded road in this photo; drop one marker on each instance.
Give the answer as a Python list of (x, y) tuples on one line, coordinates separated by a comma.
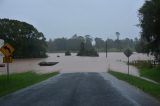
[(67, 64)]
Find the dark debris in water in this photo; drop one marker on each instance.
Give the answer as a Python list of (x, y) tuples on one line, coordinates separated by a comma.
[(48, 63)]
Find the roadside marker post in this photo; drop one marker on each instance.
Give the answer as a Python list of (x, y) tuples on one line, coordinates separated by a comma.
[(7, 60), (7, 71), (7, 50)]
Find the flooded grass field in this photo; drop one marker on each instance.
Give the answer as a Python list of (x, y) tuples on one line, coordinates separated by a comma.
[(68, 64)]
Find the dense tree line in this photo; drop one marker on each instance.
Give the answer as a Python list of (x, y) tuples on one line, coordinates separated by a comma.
[(74, 43), (87, 52), (149, 15), (25, 38)]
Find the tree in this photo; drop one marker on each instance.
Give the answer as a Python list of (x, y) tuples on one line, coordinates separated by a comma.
[(86, 52), (117, 34), (82, 49), (140, 46), (73, 44), (60, 44), (1, 42), (118, 45), (64, 44), (110, 44), (149, 15), (88, 42), (25, 38), (99, 44), (128, 53)]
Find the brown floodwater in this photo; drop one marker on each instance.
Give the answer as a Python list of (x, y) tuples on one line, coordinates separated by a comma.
[(67, 64)]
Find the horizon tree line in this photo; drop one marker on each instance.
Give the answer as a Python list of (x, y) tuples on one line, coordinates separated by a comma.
[(73, 44)]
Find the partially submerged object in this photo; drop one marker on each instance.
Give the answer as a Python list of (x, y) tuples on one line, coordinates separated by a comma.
[(48, 63), (67, 53)]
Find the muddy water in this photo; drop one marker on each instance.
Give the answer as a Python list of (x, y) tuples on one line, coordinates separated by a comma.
[(114, 61)]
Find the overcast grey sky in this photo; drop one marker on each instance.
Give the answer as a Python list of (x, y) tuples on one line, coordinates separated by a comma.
[(64, 18)]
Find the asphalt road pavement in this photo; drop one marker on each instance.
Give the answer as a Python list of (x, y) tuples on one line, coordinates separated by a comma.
[(79, 89)]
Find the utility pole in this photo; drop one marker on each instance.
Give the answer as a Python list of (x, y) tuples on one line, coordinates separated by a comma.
[(128, 65), (106, 48)]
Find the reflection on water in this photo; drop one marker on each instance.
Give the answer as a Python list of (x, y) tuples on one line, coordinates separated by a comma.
[(73, 63)]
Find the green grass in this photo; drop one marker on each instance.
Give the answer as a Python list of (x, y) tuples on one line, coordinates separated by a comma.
[(151, 74), (148, 71), (21, 80), (148, 87)]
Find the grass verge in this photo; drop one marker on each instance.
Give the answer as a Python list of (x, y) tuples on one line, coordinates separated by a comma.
[(148, 87), (21, 80), (147, 70)]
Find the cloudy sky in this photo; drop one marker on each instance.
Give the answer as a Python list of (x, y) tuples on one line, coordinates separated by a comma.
[(64, 18)]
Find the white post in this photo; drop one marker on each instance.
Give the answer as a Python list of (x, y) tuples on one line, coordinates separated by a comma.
[(1, 55)]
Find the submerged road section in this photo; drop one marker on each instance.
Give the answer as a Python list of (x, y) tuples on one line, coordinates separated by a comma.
[(79, 89)]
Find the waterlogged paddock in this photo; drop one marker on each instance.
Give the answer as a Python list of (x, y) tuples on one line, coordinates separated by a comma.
[(67, 64)]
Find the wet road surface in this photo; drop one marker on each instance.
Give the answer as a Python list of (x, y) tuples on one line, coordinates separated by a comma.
[(79, 89)]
